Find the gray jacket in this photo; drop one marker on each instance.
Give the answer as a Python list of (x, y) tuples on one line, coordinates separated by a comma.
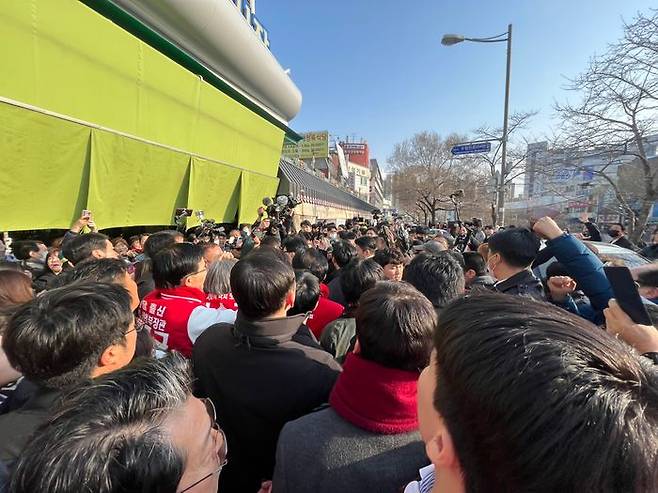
[(323, 453)]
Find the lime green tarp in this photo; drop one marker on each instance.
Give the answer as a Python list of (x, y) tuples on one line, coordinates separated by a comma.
[(44, 170), (135, 184), (61, 56), (214, 189), (252, 191)]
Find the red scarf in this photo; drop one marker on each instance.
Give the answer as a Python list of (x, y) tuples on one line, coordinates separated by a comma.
[(376, 398)]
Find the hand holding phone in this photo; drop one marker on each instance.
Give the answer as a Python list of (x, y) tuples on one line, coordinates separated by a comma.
[(643, 338), (627, 295)]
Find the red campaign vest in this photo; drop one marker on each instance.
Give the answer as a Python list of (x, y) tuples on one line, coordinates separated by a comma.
[(222, 301), (166, 313), (327, 311)]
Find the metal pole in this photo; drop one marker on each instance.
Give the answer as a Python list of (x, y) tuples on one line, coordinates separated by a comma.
[(503, 163)]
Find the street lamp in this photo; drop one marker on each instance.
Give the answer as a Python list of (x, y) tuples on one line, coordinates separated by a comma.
[(452, 39)]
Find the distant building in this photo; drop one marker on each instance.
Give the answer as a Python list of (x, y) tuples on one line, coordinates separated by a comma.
[(359, 179), (567, 184), (376, 185)]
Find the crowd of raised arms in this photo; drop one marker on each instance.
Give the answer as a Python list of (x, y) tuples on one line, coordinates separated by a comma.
[(354, 357)]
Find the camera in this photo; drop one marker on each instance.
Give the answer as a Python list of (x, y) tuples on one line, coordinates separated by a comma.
[(280, 210)]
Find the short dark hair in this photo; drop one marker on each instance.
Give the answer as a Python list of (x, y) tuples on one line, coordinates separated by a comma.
[(359, 276), (648, 278), (312, 260), (457, 255), (57, 338), (271, 242), (22, 248), (260, 283), (306, 222), (175, 262), (108, 270), (517, 246), (623, 228), (157, 241), (394, 326), (389, 256), (308, 292), (556, 269), (342, 252), (294, 244), (524, 362), (439, 277), (81, 247), (347, 235), (475, 262), (367, 243), (110, 434)]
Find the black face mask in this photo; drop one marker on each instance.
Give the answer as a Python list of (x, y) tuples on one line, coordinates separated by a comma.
[(614, 233)]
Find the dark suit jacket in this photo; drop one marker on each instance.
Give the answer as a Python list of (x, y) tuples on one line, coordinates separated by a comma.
[(625, 243), (17, 427), (260, 374)]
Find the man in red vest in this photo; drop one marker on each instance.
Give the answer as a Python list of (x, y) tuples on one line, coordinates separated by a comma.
[(176, 313)]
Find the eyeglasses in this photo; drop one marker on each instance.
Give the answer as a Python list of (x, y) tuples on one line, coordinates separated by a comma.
[(137, 328), (195, 273), (223, 452)]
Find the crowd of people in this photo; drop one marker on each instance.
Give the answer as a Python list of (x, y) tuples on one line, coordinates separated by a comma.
[(341, 357)]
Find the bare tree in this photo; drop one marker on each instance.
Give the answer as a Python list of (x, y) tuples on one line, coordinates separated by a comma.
[(615, 110), (426, 174), (516, 156)]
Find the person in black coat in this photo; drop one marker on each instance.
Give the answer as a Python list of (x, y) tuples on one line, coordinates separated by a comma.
[(617, 232), (511, 253), (262, 371)]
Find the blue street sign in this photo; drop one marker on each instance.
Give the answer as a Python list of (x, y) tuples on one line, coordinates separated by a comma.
[(461, 149)]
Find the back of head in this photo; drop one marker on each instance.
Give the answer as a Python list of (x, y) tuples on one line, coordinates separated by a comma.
[(556, 269), (218, 280), (389, 256), (312, 260), (109, 270), (347, 235), (260, 283), (439, 277), (394, 326), (475, 262), (518, 247), (22, 248), (342, 252), (157, 241), (174, 262), (367, 243), (527, 391), (307, 292), (81, 247), (57, 338), (294, 244), (270, 242), (110, 435), (15, 288), (359, 276)]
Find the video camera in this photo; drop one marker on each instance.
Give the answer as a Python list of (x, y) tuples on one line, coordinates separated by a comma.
[(208, 227), (280, 210)]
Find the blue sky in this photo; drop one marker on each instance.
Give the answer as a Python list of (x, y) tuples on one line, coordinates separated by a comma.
[(376, 69)]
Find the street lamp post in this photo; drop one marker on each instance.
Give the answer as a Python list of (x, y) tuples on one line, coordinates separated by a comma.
[(452, 39)]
